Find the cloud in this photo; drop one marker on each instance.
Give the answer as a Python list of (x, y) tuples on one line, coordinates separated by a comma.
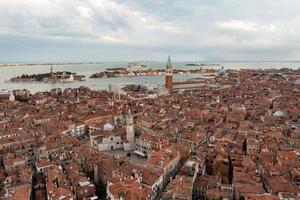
[(238, 25), (150, 29), (98, 20)]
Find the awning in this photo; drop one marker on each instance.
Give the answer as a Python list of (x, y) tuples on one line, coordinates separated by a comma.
[(139, 153)]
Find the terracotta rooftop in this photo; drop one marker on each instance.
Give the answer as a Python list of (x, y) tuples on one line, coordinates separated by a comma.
[(129, 190), (181, 187)]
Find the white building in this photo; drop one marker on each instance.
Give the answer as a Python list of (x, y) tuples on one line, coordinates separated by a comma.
[(7, 95), (11, 97), (114, 137), (75, 130)]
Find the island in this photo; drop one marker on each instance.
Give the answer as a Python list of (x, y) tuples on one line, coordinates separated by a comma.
[(116, 69), (51, 77), (122, 72), (201, 64)]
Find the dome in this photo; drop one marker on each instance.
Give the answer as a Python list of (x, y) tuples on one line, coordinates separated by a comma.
[(108, 127), (279, 113), (221, 71)]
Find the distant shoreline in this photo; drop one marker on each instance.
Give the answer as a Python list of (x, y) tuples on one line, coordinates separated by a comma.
[(11, 64), (44, 64)]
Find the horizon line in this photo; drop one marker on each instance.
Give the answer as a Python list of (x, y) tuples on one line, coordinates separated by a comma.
[(134, 61)]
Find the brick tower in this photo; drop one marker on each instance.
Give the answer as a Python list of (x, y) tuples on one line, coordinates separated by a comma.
[(129, 127), (169, 75)]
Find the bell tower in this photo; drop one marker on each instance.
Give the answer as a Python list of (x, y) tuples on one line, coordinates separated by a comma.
[(129, 127), (51, 71), (169, 75)]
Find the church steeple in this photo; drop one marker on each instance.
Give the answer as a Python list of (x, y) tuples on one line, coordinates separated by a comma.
[(169, 63), (129, 127), (51, 71)]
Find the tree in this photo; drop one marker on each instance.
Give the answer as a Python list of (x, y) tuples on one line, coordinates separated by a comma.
[(242, 198), (18, 98), (208, 167), (100, 190), (245, 146), (230, 170)]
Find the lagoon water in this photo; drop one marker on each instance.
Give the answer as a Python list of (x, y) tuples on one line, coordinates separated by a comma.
[(99, 84)]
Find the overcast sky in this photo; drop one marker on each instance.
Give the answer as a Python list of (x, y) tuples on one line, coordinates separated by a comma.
[(128, 30)]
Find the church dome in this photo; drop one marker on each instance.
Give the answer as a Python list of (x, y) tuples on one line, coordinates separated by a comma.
[(221, 71), (279, 113), (108, 127)]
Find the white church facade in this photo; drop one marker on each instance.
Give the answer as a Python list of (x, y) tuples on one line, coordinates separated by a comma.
[(113, 137)]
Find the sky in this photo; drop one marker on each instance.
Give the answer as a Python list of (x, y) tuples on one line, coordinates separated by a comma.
[(149, 30)]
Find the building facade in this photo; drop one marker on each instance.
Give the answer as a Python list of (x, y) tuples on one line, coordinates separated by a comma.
[(112, 138)]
